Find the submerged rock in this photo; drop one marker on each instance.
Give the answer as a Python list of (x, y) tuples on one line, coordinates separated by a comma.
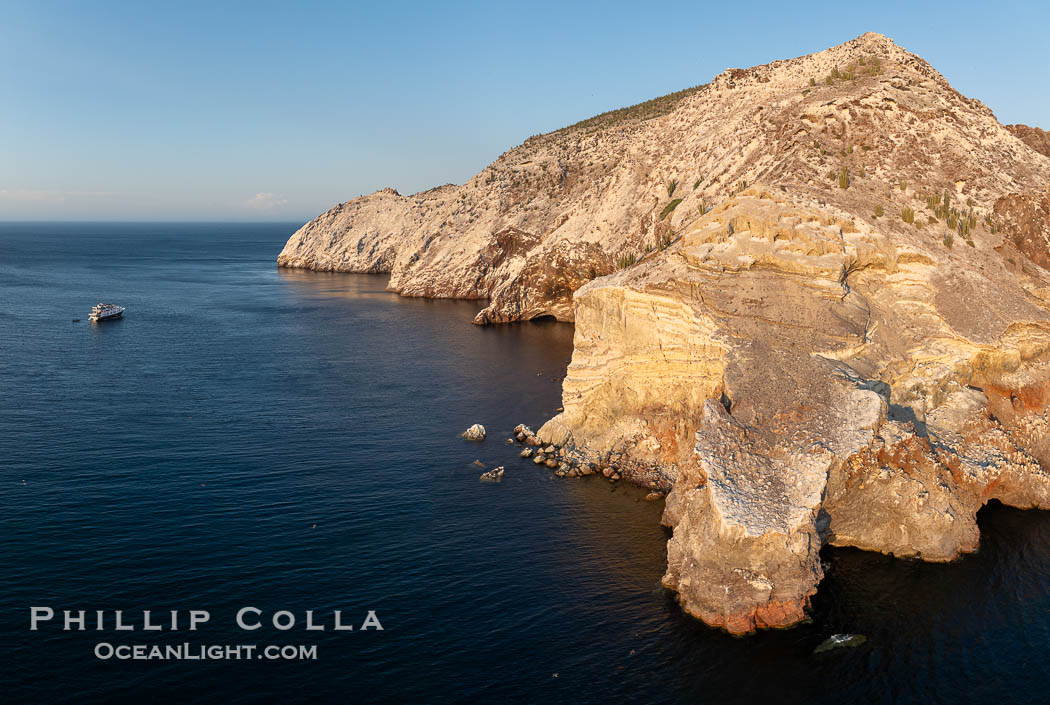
[(475, 433), (839, 641)]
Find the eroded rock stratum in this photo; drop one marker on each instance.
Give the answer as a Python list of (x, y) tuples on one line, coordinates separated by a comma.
[(802, 379), (810, 300)]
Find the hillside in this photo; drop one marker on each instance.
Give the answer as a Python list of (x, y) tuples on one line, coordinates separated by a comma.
[(810, 299), (565, 207), (1037, 139)]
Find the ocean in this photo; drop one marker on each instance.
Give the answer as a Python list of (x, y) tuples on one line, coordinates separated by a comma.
[(289, 441)]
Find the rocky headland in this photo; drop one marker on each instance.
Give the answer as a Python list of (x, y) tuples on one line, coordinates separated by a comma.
[(811, 302)]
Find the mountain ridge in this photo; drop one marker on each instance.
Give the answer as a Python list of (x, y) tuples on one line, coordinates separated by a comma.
[(590, 182)]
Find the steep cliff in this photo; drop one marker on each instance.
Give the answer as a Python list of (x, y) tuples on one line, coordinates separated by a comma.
[(799, 378), (810, 300)]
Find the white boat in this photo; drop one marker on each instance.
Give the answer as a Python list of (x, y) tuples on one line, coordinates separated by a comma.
[(106, 312)]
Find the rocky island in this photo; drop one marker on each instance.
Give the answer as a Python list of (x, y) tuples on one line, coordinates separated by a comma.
[(811, 301)]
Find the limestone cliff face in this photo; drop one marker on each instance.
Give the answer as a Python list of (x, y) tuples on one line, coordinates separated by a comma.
[(801, 378), (811, 301)]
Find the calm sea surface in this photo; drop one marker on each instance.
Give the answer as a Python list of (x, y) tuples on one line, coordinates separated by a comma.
[(289, 440)]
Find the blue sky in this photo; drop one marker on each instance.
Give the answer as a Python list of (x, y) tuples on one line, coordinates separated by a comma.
[(252, 111)]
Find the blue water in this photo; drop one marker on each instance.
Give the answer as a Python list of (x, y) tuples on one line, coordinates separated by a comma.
[(289, 441)]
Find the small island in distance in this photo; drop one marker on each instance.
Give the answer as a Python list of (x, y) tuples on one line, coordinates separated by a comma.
[(810, 301)]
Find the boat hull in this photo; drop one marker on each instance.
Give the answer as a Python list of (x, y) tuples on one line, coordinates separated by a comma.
[(108, 317)]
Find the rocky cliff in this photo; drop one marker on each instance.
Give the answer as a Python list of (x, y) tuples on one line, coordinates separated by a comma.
[(1037, 139), (810, 300)]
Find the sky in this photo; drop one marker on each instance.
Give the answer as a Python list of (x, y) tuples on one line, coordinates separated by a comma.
[(260, 110)]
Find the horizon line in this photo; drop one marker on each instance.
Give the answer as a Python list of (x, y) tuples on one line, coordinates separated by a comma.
[(159, 221)]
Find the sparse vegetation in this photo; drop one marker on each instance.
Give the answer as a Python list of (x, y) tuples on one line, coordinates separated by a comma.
[(992, 226), (844, 178), (878, 211), (870, 66), (949, 240), (696, 184), (908, 215), (812, 81), (954, 218), (627, 260), (672, 184), (639, 112), (669, 208)]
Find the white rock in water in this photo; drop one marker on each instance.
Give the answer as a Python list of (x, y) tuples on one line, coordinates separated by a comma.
[(494, 475), (475, 433)]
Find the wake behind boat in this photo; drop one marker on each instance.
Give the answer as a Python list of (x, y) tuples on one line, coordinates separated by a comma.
[(106, 312)]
